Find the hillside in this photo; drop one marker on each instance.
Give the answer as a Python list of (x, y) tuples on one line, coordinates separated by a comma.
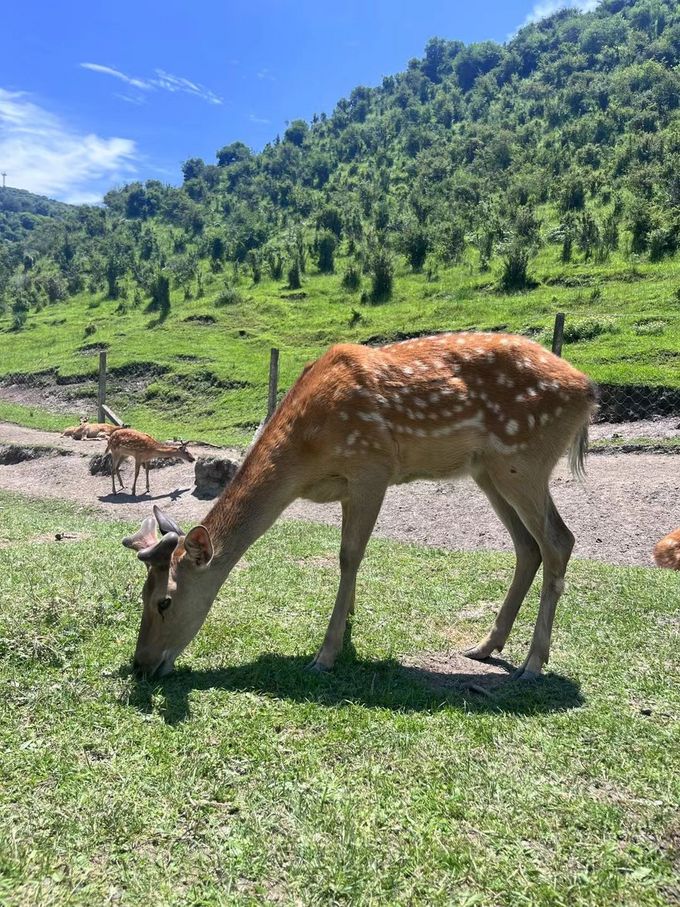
[(487, 185)]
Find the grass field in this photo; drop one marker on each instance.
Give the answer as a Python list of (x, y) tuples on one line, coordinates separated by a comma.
[(208, 380), (242, 779)]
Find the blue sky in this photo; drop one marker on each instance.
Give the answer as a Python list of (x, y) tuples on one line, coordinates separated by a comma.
[(94, 94)]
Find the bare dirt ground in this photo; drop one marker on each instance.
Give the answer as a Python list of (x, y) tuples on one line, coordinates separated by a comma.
[(627, 502)]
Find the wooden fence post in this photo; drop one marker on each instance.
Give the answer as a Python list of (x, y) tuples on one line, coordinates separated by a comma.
[(558, 334), (101, 396), (273, 381)]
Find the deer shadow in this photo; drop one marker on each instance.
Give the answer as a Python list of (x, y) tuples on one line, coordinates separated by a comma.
[(371, 683), (121, 497)]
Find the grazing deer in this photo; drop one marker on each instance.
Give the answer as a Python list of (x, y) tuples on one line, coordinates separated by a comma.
[(126, 442), (497, 407), (667, 551)]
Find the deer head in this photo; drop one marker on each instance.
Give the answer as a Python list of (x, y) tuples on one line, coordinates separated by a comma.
[(182, 451), (178, 591)]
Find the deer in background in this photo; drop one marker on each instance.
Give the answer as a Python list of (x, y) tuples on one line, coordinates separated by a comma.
[(667, 552), (127, 442), (76, 431), (90, 430), (497, 407)]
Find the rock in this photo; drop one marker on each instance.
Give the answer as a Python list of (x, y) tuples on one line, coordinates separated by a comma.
[(100, 465), (213, 474)]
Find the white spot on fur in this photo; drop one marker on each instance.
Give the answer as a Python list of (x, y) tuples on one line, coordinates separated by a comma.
[(531, 421), (344, 416), (512, 427)]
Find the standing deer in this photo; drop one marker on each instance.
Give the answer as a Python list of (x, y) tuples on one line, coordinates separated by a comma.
[(497, 407), (667, 551), (127, 442)]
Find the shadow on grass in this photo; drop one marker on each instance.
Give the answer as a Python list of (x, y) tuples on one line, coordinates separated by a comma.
[(383, 684)]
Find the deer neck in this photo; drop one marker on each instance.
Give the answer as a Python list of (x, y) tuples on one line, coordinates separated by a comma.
[(259, 492)]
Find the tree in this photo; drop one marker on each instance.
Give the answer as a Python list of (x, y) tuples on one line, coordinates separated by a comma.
[(232, 154), (296, 133)]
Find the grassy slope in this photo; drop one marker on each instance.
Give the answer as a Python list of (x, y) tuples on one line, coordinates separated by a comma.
[(634, 305), (242, 779)]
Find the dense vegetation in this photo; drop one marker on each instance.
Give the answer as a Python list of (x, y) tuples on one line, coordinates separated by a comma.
[(566, 135), (481, 171)]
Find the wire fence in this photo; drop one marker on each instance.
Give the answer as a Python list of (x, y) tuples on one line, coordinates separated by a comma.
[(634, 359)]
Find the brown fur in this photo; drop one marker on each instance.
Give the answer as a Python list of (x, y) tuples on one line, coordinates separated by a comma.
[(128, 442), (667, 551), (497, 407)]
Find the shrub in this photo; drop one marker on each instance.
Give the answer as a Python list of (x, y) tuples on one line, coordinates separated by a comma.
[(415, 244), (515, 276), (351, 279), (230, 295), (326, 244), (294, 276), (588, 329), (89, 329), (382, 275), (160, 297)]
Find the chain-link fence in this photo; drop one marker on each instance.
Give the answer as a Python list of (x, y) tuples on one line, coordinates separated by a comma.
[(635, 360)]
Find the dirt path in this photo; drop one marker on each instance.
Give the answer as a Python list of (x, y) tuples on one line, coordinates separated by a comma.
[(626, 504)]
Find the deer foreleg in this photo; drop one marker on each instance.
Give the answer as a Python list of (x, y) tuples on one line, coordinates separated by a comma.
[(146, 468), (359, 515)]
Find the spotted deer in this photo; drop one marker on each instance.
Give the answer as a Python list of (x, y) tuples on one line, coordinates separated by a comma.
[(127, 442), (667, 552), (497, 407)]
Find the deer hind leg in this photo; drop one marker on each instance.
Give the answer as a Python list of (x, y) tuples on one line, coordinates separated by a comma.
[(537, 511), (134, 484), (115, 471), (359, 514), (528, 560)]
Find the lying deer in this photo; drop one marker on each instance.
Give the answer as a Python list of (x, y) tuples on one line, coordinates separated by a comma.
[(75, 431), (126, 442), (499, 408), (667, 551), (90, 430)]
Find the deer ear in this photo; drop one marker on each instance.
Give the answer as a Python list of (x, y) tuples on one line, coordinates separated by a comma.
[(198, 546), (145, 536)]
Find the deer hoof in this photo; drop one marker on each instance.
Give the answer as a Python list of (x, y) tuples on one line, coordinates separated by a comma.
[(525, 675), (315, 667), (478, 653)]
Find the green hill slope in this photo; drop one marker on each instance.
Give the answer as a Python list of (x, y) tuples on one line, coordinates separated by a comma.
[(485, 186)]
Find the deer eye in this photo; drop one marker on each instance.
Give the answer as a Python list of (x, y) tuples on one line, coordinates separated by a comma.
[(164, 604)]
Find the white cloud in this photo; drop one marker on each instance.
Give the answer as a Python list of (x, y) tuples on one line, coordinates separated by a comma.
[(43, 154), (545, 8), (256, 119), (117, 74), (162, 80)]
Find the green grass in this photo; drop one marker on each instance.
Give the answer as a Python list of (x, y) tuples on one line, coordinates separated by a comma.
[(244, 780), (623, 326)]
